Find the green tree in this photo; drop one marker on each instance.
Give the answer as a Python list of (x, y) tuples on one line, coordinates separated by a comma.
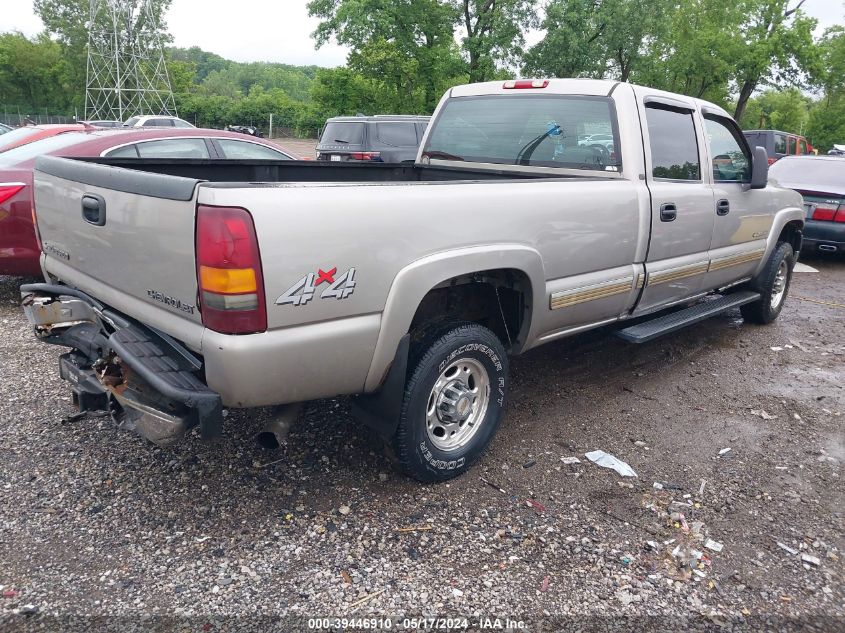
[(205, 62), (33, 73), (597, 38), (494, 33), (786, 110), (406, 43), (830, 74), (826, 123), (774, 47), (693, 56)]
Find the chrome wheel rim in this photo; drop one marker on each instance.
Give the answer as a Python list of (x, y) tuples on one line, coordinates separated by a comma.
[(457, 404), (779, 287)]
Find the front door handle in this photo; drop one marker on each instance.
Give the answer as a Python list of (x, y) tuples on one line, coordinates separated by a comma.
[(94, 209), (668, 212), (723, 207)]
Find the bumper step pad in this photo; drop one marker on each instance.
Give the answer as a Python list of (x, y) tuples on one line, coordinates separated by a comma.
[(643, 332), (162, 369)]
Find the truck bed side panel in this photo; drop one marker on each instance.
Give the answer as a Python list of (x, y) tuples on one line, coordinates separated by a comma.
[(578, 227)]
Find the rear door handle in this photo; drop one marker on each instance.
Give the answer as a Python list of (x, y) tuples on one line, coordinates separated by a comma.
[(723, 207), (94, 209), (668, 212)]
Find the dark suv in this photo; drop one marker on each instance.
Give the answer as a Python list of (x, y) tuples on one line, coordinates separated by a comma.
[(388, 138)]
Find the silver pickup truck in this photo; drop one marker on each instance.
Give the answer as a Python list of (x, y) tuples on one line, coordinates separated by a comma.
[(536, 209)]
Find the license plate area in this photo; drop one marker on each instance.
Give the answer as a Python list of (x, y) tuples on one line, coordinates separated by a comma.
[(335, 157)]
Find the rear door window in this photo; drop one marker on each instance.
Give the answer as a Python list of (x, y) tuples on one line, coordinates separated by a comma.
[(780, 144), (244, 150), (674, 145), (791, 145), (397, 134), (127, 151), (802, 146), (530, 130), (174, 148), (343, 133)]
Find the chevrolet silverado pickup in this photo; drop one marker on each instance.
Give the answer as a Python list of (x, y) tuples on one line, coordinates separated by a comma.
[(536, 209)]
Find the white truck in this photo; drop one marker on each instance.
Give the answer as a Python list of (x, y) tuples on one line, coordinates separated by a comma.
[(183, 287)]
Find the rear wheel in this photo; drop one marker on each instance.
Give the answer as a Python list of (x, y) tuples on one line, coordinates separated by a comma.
[(453, 402), (773, 286)]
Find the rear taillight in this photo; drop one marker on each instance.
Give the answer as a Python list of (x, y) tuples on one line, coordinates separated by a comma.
[(366, 155), (523, 84), (825, 211), (9, 189), (772, 161), (840, 215), (229, 271)]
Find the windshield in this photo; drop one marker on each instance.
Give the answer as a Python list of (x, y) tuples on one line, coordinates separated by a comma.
[(545, 131), (821, 172), (343, 133), (15, 136), (42, 146), (132, 122)]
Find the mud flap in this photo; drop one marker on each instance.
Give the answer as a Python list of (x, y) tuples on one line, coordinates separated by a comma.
[(380, 410)]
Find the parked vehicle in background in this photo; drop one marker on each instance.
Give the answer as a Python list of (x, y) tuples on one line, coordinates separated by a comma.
[(591, 139), (31, 133), (408, 283), (821, 181), (19, 249), (159, 120), (245, 129), (778, 144), (386, 138), (5, 128), (105, 123), (837, 150)]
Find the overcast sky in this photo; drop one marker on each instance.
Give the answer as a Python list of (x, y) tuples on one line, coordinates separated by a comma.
[(276, 30)]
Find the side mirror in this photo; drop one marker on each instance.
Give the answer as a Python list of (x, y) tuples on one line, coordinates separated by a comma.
[(760, 168)]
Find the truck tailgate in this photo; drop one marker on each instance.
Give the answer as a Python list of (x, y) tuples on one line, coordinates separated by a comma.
[(124, 236)]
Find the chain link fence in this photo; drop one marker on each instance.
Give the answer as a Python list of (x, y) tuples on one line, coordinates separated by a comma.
[(16, 116)]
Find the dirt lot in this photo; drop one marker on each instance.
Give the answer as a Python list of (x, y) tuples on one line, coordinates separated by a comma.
[(98, 522), (299, 147)]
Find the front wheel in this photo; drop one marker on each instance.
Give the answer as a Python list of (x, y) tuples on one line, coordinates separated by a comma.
[(773, 286), (453, 402)]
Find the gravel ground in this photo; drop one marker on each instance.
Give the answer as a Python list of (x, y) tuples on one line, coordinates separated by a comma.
[(299, 147), (97, 522)]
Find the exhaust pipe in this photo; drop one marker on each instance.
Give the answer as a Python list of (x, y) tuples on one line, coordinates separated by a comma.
[(828, 248), (275, 432)]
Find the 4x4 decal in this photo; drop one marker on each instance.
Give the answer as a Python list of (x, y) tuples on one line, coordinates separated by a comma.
[(303, 290)]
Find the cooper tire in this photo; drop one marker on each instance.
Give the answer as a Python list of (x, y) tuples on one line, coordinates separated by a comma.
[(773, 286), (453, 401)]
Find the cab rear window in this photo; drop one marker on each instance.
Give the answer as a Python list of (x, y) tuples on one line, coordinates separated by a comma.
[(575, 132)]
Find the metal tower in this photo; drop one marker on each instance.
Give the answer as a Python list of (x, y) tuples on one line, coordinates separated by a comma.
[(126, 74)]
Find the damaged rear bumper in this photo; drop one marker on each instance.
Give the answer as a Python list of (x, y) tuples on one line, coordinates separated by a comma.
[(149, 382)]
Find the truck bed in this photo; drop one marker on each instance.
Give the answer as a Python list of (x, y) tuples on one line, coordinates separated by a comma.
[(242, 171)]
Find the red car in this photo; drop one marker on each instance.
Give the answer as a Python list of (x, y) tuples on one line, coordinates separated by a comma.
[(31, 133), (19, 248)]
